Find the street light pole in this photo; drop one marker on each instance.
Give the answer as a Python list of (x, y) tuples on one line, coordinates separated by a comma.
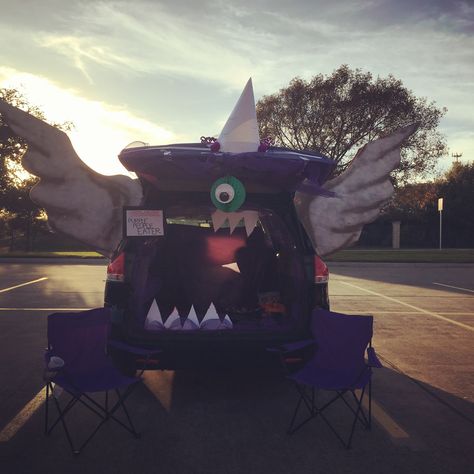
[(440, 209)]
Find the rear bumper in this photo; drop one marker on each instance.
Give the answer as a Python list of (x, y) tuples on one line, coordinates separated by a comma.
[(210, 350), (211, 356)]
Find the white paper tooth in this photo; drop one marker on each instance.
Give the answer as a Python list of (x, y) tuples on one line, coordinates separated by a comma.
[(212, 322), (154, 326), (154, 321), (250, 221), (192, 316), (234, 219), (188, 325), (192, 321), (218, 219), (232, 266), (211, 313), (211, 319), (173, 321), (212, 325), (227, 323), (176, 325)]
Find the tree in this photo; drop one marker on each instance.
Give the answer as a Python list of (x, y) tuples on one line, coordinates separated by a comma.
[(335, 115), (17, 211), (12, 147), (416, 205), (412, 201), (457, 190)]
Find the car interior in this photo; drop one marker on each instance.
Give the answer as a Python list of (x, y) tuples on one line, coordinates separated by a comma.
[(254, 281)]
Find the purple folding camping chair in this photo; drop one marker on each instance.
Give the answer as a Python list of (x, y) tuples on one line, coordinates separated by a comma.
[(76, 361), (338, 366)]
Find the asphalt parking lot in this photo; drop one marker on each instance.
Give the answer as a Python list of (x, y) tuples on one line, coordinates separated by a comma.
[(235, 421)]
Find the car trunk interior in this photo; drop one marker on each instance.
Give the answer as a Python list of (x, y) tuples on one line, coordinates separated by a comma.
[(250, 280)]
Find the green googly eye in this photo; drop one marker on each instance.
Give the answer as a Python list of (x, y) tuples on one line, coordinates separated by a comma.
[(228, 194)]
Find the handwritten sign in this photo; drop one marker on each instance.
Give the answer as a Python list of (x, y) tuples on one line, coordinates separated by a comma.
[(143, 223)]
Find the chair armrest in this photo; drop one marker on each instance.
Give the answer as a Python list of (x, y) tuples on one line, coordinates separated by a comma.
[(51, 361), (372, 359), (133, 349), (292, 346), (293, 355), (53, 365)]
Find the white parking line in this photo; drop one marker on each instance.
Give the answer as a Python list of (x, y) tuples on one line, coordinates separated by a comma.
[(160, 384), (455, 287), (23, 284), (402, 311), (394, 430), (420, 310), (44, 309), (23, 416)]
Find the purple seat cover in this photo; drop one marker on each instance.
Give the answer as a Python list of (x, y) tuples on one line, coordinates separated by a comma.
[(80, 340)]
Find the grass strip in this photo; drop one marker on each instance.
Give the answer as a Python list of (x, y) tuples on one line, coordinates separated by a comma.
[(404, 256), (353, 255), (50, 255)]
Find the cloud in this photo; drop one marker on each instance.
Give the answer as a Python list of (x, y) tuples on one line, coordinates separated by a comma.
[(81, 50), (145, 53), (100, 131), (147, 39)]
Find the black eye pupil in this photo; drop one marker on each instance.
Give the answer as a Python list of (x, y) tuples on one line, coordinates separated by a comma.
[(224, 196)]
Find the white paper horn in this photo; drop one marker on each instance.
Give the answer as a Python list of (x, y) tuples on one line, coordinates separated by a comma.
[(240, 132)]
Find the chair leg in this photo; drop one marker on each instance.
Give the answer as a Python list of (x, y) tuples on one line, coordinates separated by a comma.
[(62, 412), (362, 417), (369, 425), (310, 405), (356, 417), (328, 423), (104, 412), (124, 408), (293, 418), (46, 414), (315, 411), (100, 410), (63, 422), (86, 441), (109, 414), (50, 393)]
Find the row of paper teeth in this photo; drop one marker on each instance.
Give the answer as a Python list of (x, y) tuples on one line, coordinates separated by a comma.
[(250, 218), (211, 320)]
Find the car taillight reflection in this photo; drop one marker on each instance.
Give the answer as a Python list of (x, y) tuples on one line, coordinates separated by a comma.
[(116, 269), (321, 271)]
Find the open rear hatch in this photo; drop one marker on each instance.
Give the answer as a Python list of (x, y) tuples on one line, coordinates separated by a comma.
[(239, 274)]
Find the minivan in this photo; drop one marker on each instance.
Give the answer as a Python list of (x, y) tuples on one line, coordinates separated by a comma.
[(213, 288)]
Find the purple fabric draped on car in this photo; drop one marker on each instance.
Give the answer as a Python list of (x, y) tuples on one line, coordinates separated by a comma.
[(277, 169)]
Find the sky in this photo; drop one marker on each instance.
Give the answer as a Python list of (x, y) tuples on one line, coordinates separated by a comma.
[(171, 71)]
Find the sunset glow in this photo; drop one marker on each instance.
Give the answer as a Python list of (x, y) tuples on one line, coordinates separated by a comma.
[(99, 131)]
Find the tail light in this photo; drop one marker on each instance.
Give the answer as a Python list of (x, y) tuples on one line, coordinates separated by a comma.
[(321, 271), (116, 269)]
